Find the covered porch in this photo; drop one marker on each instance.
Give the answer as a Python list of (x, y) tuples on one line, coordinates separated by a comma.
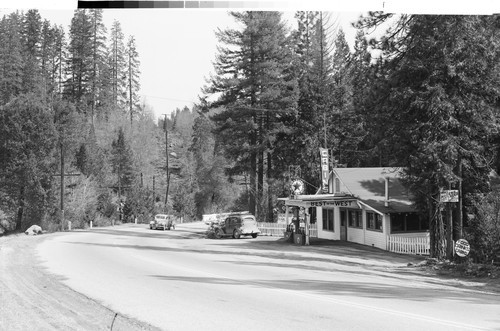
[(298, 210)]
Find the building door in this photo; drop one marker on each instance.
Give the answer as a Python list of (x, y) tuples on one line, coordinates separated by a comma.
[(343, 224)]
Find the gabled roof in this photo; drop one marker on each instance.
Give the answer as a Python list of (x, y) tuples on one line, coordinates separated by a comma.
[(368, 185)]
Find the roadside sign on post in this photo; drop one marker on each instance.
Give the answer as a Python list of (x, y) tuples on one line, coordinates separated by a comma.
[(324, 169), (462, 247), (449, 196)]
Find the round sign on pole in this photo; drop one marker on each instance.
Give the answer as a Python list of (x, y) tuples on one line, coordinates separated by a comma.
[(462, 247)]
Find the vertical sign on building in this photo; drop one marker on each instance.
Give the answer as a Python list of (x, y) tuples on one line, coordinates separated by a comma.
[(324, 169)]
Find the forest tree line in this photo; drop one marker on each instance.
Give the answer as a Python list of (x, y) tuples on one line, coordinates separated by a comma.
[(422, 97)]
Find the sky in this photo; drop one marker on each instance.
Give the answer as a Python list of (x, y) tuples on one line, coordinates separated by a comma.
[(177, 47)]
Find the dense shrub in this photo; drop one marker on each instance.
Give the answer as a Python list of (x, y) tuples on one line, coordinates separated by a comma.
[(483, 232)]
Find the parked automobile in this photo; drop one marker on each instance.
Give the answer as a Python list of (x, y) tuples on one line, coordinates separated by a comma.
[(237, 225), (162, 221)]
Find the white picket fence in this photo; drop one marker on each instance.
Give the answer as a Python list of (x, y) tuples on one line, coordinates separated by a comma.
[(409, 245), (277, 229)]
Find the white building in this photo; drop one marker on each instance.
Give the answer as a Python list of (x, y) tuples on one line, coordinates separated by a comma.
[(368, 206)]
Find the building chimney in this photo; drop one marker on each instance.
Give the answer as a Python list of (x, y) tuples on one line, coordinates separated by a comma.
[(386, 203)]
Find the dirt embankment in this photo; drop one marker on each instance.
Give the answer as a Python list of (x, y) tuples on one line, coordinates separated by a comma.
[(33, 299)]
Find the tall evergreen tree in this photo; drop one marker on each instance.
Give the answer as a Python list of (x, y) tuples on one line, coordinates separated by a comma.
[(98, 57), (439, 101), (315, 74), (133, 72), (59, 58), (27, 143), (11, 57), (31, 36), (122, 162), (78, 84), (117, 65), (257, 86)]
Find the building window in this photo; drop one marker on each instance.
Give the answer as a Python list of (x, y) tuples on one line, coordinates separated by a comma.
[(337, 185), (355, 219), (373, 221), (408, 222), (328, 219), (312, 215)]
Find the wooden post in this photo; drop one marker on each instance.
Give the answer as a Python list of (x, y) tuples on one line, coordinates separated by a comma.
[(449, 229), (460, 214), (306, 221), (62, 187), (62, 175)]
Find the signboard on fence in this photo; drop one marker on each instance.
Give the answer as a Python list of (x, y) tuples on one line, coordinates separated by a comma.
[(462, 247), (449, 196)]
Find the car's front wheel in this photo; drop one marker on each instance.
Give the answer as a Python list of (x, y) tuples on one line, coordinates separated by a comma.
[(218, 233), (236, 234), (254, 235)]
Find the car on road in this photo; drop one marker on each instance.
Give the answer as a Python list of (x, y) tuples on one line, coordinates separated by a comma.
[(237, 225), (162, 221)]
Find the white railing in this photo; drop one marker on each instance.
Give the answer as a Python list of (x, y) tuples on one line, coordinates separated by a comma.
[(277, 229), (409, 245)]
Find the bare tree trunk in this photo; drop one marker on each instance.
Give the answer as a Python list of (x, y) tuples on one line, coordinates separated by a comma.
[(20, 210)]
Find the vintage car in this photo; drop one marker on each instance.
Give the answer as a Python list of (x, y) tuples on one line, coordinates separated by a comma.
[(162, 221), (236, 225)]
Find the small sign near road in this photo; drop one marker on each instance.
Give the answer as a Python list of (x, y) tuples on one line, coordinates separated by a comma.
[(449, 196), (462, 247)]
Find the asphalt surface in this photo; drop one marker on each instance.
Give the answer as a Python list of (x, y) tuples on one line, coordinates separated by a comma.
[(131, 278)]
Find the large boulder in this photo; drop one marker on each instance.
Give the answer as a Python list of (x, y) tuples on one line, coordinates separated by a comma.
[(33, 230)]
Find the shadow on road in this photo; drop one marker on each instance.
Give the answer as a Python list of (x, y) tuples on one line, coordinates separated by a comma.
[(343, 288)]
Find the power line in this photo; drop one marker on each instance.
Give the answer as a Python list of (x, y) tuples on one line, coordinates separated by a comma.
[(171, 99)]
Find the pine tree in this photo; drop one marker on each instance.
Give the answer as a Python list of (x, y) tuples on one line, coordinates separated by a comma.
[(133, 72), (78, 85), (255, 77), (122, 162), (117, 66), (31, 36), (439, 101), (11, 57), (98, 40), (314, 125), (59, 58), (27, 144)]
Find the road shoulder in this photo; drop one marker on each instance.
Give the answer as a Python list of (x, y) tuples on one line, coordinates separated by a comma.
[(34, 296)]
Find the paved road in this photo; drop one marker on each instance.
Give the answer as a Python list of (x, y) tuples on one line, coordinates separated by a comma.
[(177, 280)]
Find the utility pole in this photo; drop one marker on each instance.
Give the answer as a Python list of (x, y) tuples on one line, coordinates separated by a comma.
[(168, 172), (62, 174)]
